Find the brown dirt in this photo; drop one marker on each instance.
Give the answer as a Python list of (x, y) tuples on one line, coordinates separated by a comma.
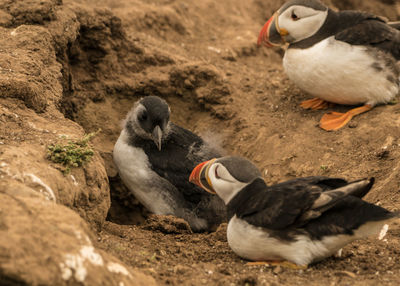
[(205, 259), (52, 245), (91, 60), (261, 120)]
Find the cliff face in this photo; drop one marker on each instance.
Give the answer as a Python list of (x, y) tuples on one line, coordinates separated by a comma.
[(75, 66), (43, 239)]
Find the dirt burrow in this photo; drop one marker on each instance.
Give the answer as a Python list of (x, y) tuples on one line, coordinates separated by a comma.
[(89, 61)]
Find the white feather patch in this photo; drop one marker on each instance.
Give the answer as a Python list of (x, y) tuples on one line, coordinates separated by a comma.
[(339, 72), (133, 167), (383, 231)]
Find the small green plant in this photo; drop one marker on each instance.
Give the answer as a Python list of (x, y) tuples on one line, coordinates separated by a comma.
[(324, 168), (72, 154), (153, 257)]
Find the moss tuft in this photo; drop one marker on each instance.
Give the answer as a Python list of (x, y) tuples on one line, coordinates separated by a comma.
[(73, 154)]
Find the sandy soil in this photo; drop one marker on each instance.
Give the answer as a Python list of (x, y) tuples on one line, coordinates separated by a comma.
[(205, 259), (259, 118), (201, 56)]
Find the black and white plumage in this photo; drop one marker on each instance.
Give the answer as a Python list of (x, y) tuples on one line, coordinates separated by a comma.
[(301, 221), (154, 158), (345, 57)]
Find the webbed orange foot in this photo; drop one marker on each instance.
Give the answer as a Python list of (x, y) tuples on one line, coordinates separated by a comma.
[(316, 104), (335, 120)]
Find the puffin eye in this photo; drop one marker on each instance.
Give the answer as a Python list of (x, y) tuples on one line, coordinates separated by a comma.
[(142, 116), (216, 173), (294, 16)]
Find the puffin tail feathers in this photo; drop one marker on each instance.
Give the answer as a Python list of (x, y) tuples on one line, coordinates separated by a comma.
[(395, 24), (362, 187), (329, 199)]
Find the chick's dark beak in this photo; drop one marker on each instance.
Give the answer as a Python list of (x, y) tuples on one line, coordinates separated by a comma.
[(199, 176), (271, 35), (156, 135)]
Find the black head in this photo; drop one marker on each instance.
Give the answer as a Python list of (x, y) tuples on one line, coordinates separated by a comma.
[(240, 168), (225, 176), (295, 21), (149, 119), (314, 4)]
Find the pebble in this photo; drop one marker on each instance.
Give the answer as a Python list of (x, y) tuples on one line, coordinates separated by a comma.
[(346, 273), (277, 270), (353, 124)]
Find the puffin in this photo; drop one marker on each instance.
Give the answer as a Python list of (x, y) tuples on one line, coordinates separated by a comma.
[(345, 57), (154, 158), (293, 223)]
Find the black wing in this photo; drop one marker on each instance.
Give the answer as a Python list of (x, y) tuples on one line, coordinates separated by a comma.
[(346, 216), (373, 32), (179, 154), (292, 203)]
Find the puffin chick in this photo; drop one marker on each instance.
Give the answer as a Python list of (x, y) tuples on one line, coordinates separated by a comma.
[(345, 57), (296, 222), (154, 158)]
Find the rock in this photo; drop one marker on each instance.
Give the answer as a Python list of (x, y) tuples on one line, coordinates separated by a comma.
[(29, 69), (205, 77), (5, 19), (180, 269), (31, 74), (42, 243), (353, 125), (31, 12), (346, 273), (277, 270), (23, 161), (167, 224)]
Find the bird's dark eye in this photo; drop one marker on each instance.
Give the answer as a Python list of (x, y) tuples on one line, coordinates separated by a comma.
[(216, 173), (294, 16), (142, 116)]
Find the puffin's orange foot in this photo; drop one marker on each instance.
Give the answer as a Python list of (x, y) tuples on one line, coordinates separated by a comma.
[(335, 120), (285, 264), (316, 104)]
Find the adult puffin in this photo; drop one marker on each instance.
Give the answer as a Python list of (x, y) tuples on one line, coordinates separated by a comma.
[(154, 158), (346, 57), (293, 223)]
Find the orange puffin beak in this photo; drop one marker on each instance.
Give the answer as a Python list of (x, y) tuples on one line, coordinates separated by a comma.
[(199, 176), (271, 35)]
